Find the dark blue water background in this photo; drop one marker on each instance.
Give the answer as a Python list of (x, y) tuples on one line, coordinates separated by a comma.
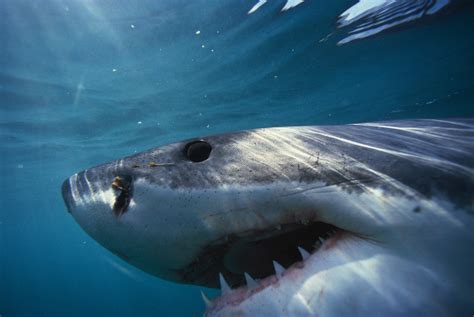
[(85, 82)]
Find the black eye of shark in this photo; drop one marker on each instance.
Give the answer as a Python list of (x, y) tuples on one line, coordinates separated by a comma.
[(197, 151)]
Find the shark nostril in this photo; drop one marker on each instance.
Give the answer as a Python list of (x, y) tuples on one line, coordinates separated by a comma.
[(123, 186)]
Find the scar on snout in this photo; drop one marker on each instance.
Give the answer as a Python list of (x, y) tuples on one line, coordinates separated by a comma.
[(154, 164)]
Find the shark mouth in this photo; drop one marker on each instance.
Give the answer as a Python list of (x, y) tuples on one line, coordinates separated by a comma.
[(248, 262)]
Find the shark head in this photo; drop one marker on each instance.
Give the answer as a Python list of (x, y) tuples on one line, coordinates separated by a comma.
[(297, 221)]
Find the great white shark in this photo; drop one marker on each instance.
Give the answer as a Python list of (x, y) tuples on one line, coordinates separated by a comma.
[(360, 219)]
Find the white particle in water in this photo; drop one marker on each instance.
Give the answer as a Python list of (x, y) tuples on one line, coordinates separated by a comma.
[(198, 32), (208, 126), (132, 26), (203, 46), (139, 122), (212, 50), (114, 70), (276, 76), (20, 166)]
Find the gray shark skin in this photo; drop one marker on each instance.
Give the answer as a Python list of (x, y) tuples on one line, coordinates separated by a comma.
[(359, 219)]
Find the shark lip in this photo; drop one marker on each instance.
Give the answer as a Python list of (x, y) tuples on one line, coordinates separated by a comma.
[(255, 253)]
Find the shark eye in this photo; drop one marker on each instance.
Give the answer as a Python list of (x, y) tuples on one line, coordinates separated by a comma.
[(197, 151)]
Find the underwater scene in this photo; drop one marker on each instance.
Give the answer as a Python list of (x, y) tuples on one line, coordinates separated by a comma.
[(170, 225)]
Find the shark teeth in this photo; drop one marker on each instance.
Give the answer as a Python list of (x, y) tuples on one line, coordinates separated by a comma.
[(206, 300), (304, 254), (249, 280), (278, 269), (225, 288)]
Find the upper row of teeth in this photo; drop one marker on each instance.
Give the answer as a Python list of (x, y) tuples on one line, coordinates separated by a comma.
[(279, 269)]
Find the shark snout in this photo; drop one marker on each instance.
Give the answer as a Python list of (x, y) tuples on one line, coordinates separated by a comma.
[(113, 192), (73, 191), (67, 194)]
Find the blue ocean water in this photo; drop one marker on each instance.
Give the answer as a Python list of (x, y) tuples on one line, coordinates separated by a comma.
[(85, 82)]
